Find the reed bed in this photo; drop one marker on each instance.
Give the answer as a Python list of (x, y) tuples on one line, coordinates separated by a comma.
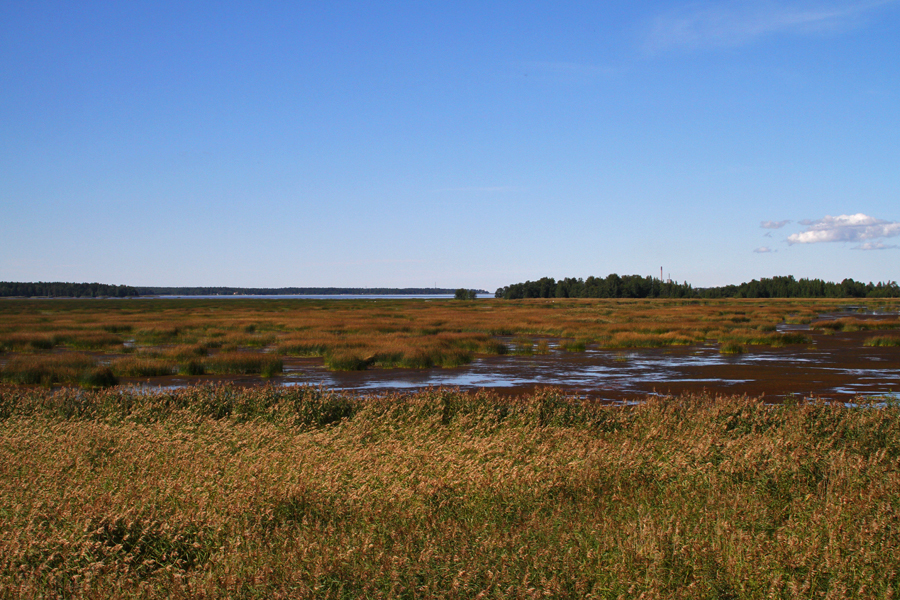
[(222, 492)]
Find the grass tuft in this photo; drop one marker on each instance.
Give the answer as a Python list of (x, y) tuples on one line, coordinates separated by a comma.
[(731, 348), (243, 363), (883, 340)]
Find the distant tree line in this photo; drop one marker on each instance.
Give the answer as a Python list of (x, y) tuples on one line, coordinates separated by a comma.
[(636, 286), (788, 287), (288, 291), (58, 289)]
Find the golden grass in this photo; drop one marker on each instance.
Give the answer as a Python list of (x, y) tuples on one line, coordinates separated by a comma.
[(221, 492)]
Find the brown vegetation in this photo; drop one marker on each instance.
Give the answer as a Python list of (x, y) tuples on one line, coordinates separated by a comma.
[(220, 492), (139, 337)]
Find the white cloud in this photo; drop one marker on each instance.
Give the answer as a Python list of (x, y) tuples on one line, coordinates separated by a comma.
[(875, 246), (764, 250), (773, 224), (844, 228), (708, 24)]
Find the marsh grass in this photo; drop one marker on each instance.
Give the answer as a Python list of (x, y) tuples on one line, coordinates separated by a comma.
[(98, 377), (143, 366), (883, 340), (523, 346), (302, 348), (27, 342), (630, 339), (731, 348), (346, 361), (570, 345), (351, 335), (90, 340), (304, 492), (856, 324), (243, 363), (192, 367), (46, 370)]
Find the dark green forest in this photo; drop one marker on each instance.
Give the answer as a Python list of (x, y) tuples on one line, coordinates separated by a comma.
[(59, 289), (98, 290), (636, 286)]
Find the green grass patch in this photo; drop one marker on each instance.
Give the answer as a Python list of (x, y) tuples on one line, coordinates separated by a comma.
[(244, 363), (569, 345), (731, 348), (883, 340), (346, 361)]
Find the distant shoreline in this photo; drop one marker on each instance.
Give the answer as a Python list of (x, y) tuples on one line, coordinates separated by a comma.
[(294, 291)]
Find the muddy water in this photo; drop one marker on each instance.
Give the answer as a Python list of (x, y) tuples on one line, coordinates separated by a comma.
[(834, 366)]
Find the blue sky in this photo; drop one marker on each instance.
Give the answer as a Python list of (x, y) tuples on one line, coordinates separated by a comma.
[(475, 144)]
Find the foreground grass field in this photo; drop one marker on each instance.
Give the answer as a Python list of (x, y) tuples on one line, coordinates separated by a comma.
[(221, 492), (95, 342)]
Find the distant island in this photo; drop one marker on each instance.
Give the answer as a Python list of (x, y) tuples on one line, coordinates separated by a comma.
[(293, 291), (636, 286), (59, 289)]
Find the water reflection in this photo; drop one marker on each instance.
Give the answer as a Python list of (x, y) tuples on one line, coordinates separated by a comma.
[(614, 375)]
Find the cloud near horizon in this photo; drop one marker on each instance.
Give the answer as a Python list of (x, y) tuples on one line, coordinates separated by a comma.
[(764, 250), (846, 228), (875, 246)]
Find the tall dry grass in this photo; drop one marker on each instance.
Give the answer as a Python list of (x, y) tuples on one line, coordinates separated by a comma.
[(216, 492)]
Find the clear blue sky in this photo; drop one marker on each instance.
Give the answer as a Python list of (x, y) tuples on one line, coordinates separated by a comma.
[(474, 144)]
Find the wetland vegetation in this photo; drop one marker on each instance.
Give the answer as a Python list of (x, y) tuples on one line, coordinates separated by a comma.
[(220, 491), (224, 492), (50, 342)]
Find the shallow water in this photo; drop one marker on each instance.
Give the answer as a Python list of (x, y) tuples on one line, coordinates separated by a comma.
[(835, 366), (826, 370)]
